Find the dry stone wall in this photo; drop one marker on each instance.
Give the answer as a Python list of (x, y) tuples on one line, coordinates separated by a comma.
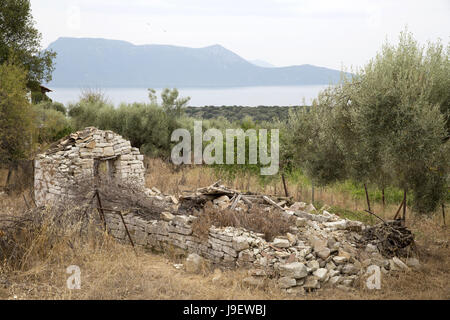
[(320, 251), (222, 246), (74, 159)]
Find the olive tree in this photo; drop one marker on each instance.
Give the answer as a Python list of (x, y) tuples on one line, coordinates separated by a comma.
[(313, 141), (387, 125), (398, 112)]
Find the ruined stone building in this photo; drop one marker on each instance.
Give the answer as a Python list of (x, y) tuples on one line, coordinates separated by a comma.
[(90, 154)]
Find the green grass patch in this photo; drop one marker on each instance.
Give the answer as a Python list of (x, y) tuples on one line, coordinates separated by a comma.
[(318, 204), (354, 215), (356, 190)]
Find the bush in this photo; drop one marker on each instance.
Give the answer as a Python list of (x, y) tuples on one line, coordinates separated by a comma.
[(270, 223), (52, 124), (38, 97), (16, 115), (147, 126), (53, 106)]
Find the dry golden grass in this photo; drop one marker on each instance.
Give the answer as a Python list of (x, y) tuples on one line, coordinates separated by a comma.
[(110, 270), (270, 224)]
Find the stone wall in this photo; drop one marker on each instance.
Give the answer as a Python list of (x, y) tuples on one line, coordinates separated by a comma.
[(322, 250), (223, 246), (74, 158)]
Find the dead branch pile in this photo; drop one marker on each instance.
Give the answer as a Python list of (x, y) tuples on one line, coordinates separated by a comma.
[(391, 237), (222, 207), (198, 198), (121, 197), (128, 199)]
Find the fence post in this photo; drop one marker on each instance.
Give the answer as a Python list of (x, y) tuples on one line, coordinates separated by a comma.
[(285, 186)]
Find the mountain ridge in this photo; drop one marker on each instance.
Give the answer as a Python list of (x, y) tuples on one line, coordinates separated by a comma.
[(118, 63), (262, 63)]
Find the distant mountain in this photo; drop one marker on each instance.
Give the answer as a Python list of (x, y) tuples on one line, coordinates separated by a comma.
[(83, 62), (262, 63)]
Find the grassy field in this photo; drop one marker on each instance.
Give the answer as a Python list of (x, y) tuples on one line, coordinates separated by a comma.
[(110, 270)]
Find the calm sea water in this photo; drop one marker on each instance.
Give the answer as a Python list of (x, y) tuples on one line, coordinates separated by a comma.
[(244, 96)]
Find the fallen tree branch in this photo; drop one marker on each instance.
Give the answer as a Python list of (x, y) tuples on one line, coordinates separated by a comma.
[(268, 200), (375, 215), (235, 202), (398, 210)]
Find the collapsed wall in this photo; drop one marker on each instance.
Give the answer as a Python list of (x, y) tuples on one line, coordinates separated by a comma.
[(322, 250), (87, 154)]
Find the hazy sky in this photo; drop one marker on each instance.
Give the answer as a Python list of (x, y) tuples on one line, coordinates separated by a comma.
[(329, 33)]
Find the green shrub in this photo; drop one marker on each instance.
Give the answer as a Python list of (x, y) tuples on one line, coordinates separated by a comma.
[(51, 124), (16, 115), (52, 105), (147, 126)]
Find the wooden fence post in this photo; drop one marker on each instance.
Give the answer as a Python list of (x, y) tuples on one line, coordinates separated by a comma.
[(367, 197), (286, 193)]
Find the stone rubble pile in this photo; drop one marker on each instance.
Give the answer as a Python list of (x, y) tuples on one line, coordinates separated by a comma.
[(321, 249), (155, 193), (226, 198)]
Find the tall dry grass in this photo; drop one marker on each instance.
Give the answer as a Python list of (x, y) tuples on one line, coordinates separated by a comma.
[(269, 223)]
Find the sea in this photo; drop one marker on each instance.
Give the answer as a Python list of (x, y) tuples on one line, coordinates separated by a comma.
[(230, 96)]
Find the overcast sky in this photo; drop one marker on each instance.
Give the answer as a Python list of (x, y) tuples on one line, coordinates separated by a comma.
[(329, 33)]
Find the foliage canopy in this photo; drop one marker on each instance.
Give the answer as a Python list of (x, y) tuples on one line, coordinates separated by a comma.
[(19, 38), (387, 126)]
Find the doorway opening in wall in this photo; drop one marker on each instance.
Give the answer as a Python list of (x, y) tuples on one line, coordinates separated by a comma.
[(105, 170)]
